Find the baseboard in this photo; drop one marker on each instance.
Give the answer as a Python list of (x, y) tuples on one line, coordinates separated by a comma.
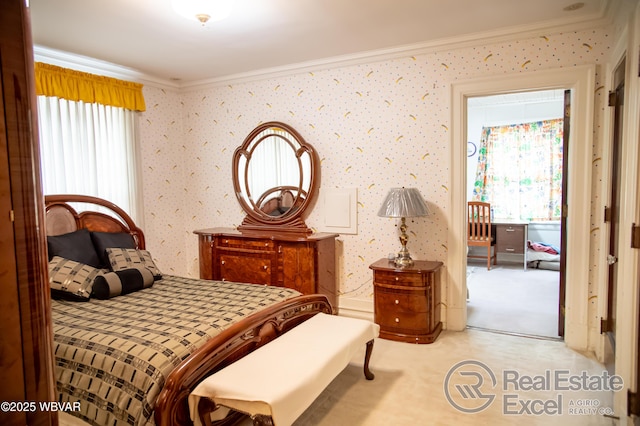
[(355, 308)]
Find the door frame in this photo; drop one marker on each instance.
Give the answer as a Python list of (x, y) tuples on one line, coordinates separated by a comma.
[(581, 81)]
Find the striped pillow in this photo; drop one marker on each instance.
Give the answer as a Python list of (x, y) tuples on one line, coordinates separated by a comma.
[(71, 280), (122, 258)]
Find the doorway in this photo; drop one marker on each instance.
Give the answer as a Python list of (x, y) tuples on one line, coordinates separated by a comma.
[(581, 81), (520, 295)]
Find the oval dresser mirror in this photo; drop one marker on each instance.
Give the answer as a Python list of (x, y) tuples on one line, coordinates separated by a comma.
[(275, 178)]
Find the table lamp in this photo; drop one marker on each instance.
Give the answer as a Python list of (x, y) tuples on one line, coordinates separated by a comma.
[(403, 203)]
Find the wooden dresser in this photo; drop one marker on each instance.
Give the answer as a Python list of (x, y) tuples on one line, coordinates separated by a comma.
[(303, 263), (407, 300)]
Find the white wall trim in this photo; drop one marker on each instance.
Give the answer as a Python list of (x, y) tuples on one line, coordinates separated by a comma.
[(355, 308), (582, 80)]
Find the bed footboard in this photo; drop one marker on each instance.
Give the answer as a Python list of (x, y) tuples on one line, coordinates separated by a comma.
[(232, 344)]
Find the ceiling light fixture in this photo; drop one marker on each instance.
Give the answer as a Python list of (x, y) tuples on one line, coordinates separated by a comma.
[(203, 10), (574, 6)]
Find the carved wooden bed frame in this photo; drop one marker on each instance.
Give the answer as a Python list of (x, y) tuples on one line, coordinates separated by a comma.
[(232, 344)]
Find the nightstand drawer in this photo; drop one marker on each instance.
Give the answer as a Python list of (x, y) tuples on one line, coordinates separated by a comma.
[(400, 301), (404, 322), (399, 279)]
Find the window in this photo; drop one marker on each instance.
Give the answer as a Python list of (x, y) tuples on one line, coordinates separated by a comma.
[(89, 149), (520, 170), (87, 127)]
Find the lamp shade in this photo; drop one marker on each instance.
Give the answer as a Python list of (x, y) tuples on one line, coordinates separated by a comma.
[(403, 202)]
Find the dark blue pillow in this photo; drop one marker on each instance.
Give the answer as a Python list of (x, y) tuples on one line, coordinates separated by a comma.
[(75, 246), (104, 240)]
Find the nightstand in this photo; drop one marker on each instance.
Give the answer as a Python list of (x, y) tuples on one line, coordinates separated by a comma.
[(407, 300)]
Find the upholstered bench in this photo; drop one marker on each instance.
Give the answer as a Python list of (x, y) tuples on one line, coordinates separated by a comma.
[(277, 382)]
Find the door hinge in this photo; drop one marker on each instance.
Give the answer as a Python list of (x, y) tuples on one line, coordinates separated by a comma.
[(632, 403), (612, 99), (605, 325), (635, 236), (12, 216), (611, 259), (607, 214)]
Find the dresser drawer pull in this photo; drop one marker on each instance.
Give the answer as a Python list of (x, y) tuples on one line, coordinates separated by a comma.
[(265, 267), (397, 302), (510, 230), (224, 279), (397, 278), (397, 319), (226, 241), (509, 249), (223, 262)]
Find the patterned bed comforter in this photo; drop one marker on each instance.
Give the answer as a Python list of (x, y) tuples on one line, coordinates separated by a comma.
[(113, 356)]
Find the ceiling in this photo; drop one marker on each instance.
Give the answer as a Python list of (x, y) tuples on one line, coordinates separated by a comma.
[(147, 37)]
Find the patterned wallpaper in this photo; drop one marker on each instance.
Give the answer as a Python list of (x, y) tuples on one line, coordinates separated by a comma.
[(376, 126)]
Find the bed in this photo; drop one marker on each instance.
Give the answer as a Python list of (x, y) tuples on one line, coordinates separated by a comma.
[(130, 352), (543, 256)]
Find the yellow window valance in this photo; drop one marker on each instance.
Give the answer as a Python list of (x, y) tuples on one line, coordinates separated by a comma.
[(77, 86)]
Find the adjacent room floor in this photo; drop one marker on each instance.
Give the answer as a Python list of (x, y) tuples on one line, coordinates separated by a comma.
[(509, 299)]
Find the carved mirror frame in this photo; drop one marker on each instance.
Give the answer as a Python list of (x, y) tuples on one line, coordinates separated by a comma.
[(284, 206)]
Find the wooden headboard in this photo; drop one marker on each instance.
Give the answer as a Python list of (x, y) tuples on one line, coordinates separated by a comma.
[(62, 218)]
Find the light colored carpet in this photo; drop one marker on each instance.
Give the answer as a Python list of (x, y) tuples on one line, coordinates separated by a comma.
[(408, 389), (506, 298), (409, 379)]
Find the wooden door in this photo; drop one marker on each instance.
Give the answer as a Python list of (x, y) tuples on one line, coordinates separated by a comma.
[(612, 212), (563, 216), (26, 336)]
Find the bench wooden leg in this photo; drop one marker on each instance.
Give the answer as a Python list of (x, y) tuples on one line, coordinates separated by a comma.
[(367, 356)]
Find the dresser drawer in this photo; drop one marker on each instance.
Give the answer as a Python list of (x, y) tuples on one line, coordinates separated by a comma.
[(400, 301), (245, 244), (254, 270), (510, 239), (399, 279)]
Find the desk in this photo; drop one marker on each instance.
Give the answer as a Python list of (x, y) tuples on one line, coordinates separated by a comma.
[(511, 238)]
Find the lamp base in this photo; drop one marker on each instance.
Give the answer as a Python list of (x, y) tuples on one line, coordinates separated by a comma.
[(403, 258), (402, 262)]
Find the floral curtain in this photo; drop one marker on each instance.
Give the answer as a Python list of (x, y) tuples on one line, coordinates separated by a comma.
[(520, 170)]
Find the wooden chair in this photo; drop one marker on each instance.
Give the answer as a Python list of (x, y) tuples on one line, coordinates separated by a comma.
[(479, 230)]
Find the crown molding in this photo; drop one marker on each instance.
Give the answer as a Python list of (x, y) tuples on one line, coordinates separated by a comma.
[(604, 17), (96, 66)]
